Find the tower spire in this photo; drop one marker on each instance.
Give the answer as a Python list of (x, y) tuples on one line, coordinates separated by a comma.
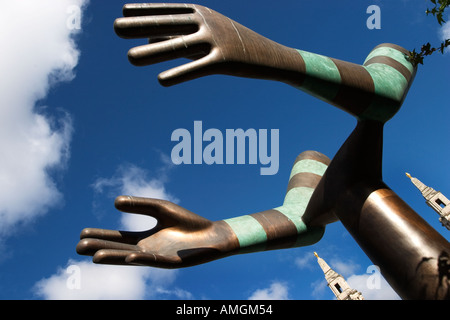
[(435, 199), (337, 283)]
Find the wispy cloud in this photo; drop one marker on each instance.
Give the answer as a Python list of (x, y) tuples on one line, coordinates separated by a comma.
[(135, 181), (445, 30), (276, 291), (307, 261), (39, 51), (319, 288), (344, 267)]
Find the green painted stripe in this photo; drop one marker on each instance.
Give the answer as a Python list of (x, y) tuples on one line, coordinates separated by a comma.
[(388, 81), (248, 230), (306, 235), (308, 165), (295, 204), (251, 233), (298, 196), (320, 69), (390, 88), (392, 53)]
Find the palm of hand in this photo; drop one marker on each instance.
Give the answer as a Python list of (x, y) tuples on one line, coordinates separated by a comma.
[(181, 238)]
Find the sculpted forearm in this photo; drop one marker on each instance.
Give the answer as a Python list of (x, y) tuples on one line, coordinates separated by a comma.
[(283, 226), (218, 45), (182, 238)]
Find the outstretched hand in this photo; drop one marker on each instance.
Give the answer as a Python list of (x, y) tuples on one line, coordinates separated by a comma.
[(218, 45), (215, 43), (181, 238)]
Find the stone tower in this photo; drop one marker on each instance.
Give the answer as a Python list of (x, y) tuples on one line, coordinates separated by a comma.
[(337, 283), (435, 199)]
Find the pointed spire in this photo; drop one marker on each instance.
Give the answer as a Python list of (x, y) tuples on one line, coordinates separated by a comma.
[(435, 200), (426, 191), (337, 283), (329, 273)]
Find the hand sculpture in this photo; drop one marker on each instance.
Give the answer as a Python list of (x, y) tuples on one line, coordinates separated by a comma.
[(181, 238), (219, 45), (351, 190)]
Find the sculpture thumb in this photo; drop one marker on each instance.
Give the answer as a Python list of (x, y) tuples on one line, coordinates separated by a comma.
[(165, 212)]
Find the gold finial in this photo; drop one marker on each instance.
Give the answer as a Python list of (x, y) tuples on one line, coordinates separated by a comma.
[(315, 253), (408, 175)]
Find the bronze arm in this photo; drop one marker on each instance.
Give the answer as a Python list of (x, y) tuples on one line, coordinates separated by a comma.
[(219, 45), (182, 238)]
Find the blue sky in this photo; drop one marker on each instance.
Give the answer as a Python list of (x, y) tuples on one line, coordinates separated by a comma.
[(80, 126)]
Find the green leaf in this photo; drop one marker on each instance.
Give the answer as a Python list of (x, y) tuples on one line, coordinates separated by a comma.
[(439, 18)]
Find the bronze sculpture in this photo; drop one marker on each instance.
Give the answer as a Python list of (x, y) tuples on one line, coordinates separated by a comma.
[(408, 250), (182, 238)]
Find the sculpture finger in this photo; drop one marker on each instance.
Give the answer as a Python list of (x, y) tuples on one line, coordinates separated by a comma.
[(89, 246), (111, 256), (152, 260), (178, 47), (114, 235), (150, 9), (150, 26), (189, 71), (167, 213)]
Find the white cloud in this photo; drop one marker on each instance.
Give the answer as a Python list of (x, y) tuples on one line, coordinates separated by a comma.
[(276, 291), (83, 280), (38, 51), (445, 30), (318, 288), (132, 180), (307, 261), (345, 268), (382, 291), (177, 293)]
